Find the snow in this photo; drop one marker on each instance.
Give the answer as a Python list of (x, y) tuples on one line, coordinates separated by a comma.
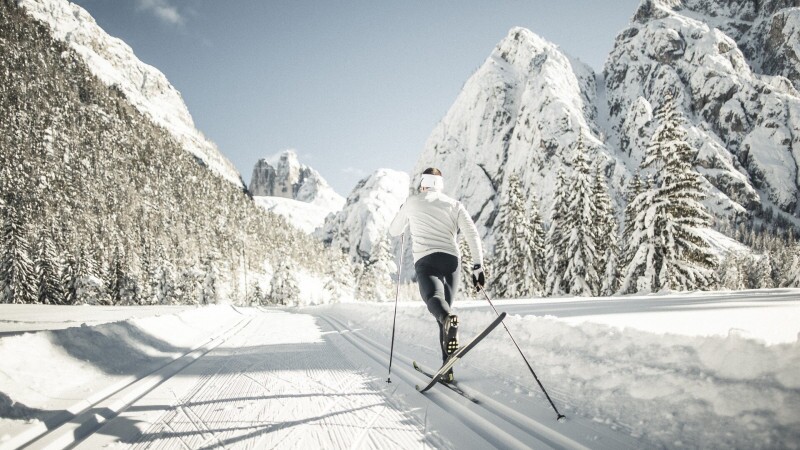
[(690, 370), (363, 222), (305, 216), (113, 62)]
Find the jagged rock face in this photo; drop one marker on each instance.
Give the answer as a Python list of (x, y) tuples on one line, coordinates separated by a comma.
[(287, 178), (114, 63), (522, 111), (365, 218), (765, 31), (744, 124)]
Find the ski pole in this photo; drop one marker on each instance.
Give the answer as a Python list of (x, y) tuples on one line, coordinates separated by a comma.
[(396, 295), (560, 417)]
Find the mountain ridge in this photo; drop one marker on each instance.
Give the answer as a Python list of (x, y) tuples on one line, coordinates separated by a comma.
[(114, 62)]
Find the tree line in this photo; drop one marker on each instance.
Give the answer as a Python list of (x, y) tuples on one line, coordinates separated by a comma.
[(661, 244), (99, 205)]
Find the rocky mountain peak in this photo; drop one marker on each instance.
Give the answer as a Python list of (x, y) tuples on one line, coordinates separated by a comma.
[(284, 176)]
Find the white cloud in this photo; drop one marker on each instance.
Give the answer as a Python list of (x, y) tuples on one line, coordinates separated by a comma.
[(163, 10)]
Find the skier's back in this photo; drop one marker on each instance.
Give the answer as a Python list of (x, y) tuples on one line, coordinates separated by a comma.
[(434, 220)]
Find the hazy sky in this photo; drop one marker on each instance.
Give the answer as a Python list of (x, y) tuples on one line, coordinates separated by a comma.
[(352, 86)]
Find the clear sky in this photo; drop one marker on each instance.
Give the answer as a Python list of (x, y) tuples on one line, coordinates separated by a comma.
[(352, 86)]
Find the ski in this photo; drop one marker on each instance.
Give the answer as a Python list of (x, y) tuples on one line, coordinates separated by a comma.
[(451, 361), (452, 386)]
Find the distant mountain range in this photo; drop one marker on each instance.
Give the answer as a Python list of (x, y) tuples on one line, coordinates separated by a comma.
[(525, 107), (731, 64)]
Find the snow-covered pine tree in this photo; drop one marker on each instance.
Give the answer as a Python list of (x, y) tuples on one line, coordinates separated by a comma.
[(555, 242), (538, 238), (210, 281), (120, 285), (792, 277), (638, 273), (579, 229), (48, 272), (606, 236), (17, 275), (515, 254), (670, 216), (730, 273), (339, 276), (762, 273), (375, 283), (284, 290), (634, 188), (86, 286), (164, 289), (467, 290)]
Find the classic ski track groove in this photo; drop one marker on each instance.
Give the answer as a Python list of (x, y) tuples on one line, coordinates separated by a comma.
[(365, 421), (468, 414), (65, 433), (487, 402)]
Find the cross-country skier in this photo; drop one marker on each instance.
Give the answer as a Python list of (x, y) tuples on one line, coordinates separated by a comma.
[(434, 220)]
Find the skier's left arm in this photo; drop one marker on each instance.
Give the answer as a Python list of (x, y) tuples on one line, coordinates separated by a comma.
[(467, 226)]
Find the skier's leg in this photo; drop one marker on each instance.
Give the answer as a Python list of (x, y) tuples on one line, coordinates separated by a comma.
[(442, 346), (431, 288), (451, 282), (449, 267)]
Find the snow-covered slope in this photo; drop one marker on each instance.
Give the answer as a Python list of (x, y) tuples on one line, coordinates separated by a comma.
[(745, 124), (114, 63), (308, 217), (521, 111), (365, 218), (284, 176)]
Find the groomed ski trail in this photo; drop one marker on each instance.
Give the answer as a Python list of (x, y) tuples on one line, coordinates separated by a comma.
[(279, 382), (284, 379)]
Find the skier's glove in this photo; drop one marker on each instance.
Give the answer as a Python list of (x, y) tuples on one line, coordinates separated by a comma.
[(478, 277)]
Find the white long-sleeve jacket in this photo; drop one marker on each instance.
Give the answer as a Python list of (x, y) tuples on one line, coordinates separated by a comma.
[(434, 220)]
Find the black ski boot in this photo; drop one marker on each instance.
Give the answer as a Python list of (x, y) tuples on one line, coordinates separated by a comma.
[(450, 343)]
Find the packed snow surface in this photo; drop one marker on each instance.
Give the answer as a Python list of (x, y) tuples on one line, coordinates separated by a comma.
[(692, 370)]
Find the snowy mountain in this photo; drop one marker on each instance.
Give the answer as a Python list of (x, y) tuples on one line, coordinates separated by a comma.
[(520, 113), (363, 222), (147, 89), (295, 191), (523, 110), (741, 108), (107, 207), (284, 176)]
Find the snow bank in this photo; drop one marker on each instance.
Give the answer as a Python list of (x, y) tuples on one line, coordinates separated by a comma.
[(696, 389), (46, 372)]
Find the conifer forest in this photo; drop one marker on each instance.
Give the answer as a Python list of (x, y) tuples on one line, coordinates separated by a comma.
[(100, 206)]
